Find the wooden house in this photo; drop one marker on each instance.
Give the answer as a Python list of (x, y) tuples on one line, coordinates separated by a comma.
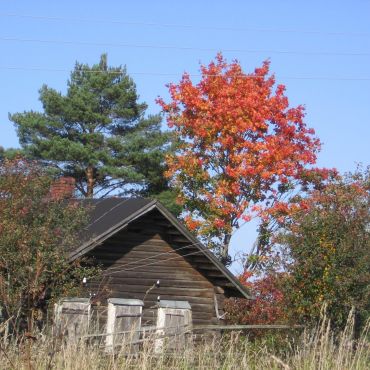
[(147, 254)]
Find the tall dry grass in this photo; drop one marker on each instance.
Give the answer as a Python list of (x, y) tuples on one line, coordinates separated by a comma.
[(319, 349)]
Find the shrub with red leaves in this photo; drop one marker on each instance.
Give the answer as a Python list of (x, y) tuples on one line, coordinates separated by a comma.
[(269, 305)]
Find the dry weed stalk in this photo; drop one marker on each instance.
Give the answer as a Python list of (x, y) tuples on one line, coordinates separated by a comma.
[(320, 349)]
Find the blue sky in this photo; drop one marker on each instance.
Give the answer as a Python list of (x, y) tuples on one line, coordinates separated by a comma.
[(319, 49)]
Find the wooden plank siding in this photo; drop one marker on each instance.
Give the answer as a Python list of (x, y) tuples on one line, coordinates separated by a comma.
[(183, 278)]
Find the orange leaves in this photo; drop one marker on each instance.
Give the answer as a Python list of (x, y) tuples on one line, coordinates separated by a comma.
[(247, 218), (242, 141), (191, 223), (219, 223)]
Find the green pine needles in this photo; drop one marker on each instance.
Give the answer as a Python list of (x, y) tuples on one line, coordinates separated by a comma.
[(98, 134)]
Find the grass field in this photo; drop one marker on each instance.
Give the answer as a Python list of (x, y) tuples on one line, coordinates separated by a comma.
[(315, 349)]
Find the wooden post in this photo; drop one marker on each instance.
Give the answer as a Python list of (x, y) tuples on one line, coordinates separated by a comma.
[(72, 317), (4, 326), (174, 318), (124, 315)]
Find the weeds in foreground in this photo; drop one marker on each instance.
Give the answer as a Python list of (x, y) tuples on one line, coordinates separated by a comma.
[(317, 349)]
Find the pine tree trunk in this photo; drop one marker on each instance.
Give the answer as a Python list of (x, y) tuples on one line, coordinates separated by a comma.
[(90, 181)]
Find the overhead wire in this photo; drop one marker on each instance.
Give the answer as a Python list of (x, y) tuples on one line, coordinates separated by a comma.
[(186, 26), (121, 268), (159, 74), (107, 212), (154, 262), (155, 256), (174, 47)]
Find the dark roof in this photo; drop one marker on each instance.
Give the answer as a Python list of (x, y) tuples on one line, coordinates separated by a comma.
[(110, 215), (105, 213)]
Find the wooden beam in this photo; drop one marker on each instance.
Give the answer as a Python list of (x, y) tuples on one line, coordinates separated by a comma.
[(246, 327)]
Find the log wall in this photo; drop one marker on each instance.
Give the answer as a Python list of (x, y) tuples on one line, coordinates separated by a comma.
[(135, 258)]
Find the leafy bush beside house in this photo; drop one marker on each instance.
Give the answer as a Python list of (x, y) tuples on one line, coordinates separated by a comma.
[(324, 250), (37, 230), (328, 243)]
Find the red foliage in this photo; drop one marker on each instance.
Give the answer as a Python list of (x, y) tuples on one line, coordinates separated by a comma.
[(240, 141), (269, 306)]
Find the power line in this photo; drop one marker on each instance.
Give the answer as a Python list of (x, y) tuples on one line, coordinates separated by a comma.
[(184, 48), (159, 74), (120, 269), (186, 26), (155, 256), (109, 210), (153, 263)]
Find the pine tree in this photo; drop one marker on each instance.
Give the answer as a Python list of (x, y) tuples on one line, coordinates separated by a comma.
[(97, 133)]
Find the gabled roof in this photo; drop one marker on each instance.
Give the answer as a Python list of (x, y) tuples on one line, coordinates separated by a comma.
[(111, 215)]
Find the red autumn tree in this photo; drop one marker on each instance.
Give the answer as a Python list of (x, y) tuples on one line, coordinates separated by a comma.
[(241, 147)]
